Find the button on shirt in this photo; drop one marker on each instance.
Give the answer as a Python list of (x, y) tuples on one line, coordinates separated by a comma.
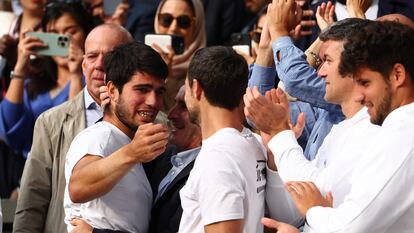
[(179, 162), (93, 110)]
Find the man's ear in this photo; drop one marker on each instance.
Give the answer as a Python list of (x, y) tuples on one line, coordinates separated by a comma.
[(398, 75), (112, 91), (197, 89)]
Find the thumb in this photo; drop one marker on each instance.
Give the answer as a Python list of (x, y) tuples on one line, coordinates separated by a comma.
[(300, 125), (74, 221), (270, 223)]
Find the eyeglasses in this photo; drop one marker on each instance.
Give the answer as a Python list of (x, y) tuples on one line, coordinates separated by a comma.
[(183, 21), (255, 36)]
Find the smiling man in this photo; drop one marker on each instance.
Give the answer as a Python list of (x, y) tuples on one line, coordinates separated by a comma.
[(103, 166)]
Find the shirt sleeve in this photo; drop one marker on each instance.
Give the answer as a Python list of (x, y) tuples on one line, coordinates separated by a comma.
[(379, 200), (281, 205), (291, 163), (16, 125), (263, 78), (85, 143), (221, 195), (300, 79)]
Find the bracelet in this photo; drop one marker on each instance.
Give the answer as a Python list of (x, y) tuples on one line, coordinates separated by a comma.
[(317, 59), (14, 75)]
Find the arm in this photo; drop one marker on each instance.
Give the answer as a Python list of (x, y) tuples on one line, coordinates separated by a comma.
[(75, 58), (93, 176), (231, 226), (387, 204), (35, 190)]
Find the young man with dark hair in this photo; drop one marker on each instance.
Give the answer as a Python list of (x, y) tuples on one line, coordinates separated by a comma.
[(225, 190), (103, 165)]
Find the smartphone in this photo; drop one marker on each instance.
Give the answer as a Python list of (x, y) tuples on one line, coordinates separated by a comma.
[(175, 41), (244, 48), (110, 6), (57, 44)]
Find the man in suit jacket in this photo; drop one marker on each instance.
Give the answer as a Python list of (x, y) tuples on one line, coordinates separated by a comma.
[(174, 170), (40, 203)]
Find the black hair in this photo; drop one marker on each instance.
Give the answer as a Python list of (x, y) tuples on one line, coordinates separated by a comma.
[(127, 59), (379, 46), (189, 3), (341, 30), (46, 69), (222, 74)]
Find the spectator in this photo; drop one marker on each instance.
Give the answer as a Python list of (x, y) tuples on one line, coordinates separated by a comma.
[(140, 20), (192, 27), (32, 91)]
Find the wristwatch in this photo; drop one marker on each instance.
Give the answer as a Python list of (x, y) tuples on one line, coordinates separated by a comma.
[(14, 75)]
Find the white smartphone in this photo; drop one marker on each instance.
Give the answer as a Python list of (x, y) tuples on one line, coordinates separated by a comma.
[(243, 48), (176, 42)]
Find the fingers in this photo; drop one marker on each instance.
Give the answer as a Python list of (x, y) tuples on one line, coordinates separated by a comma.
[(329, 199), (300, 125), (151, 129), (270, 223)]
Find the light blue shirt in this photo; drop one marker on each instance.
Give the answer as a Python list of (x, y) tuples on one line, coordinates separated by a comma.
[(92, 109), (301, 81), (179, 162)]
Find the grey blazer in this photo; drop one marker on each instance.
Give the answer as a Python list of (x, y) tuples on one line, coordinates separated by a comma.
[(40, 202)]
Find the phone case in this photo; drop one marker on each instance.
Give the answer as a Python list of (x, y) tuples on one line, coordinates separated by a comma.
[(58, 44), (244, 48)]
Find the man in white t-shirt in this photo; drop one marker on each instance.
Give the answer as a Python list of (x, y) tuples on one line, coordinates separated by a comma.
[(225, 190), (106, 183)]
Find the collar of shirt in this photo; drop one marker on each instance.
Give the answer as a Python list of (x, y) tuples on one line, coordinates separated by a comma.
[(398, 115), (182, 159), (93, 110)]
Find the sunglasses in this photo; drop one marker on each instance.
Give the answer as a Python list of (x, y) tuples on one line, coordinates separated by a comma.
[(183, 21), (255, 36)]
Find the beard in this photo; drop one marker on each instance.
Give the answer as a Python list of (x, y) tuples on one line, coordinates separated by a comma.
[(122, 114), (384, 108)]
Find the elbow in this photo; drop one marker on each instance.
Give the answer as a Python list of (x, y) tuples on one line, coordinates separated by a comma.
[(77, 192)]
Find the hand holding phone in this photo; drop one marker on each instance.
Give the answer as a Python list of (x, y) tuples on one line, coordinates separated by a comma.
[(175, 41), (55, 44)]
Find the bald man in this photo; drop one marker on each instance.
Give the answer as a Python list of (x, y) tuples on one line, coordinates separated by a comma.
[(40, 203)]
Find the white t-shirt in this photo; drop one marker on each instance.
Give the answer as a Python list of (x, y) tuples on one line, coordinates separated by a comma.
[(227, 183), (127, 207)]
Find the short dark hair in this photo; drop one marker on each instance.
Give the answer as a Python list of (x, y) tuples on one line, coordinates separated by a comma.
[(222, 73), (76, 9), (341, 30), (125, 60), (379, 46)]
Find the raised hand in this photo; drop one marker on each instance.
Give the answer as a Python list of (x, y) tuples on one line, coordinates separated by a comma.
[(269, 113), (75, 58), (149, 142), (357, 8), (282, 17), (306, 195), (325, 15), (8, 49), (25, 48), (120, 15)]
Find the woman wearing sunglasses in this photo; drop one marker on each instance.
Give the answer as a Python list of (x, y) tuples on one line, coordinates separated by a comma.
[(184, 18), (39, 83)]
